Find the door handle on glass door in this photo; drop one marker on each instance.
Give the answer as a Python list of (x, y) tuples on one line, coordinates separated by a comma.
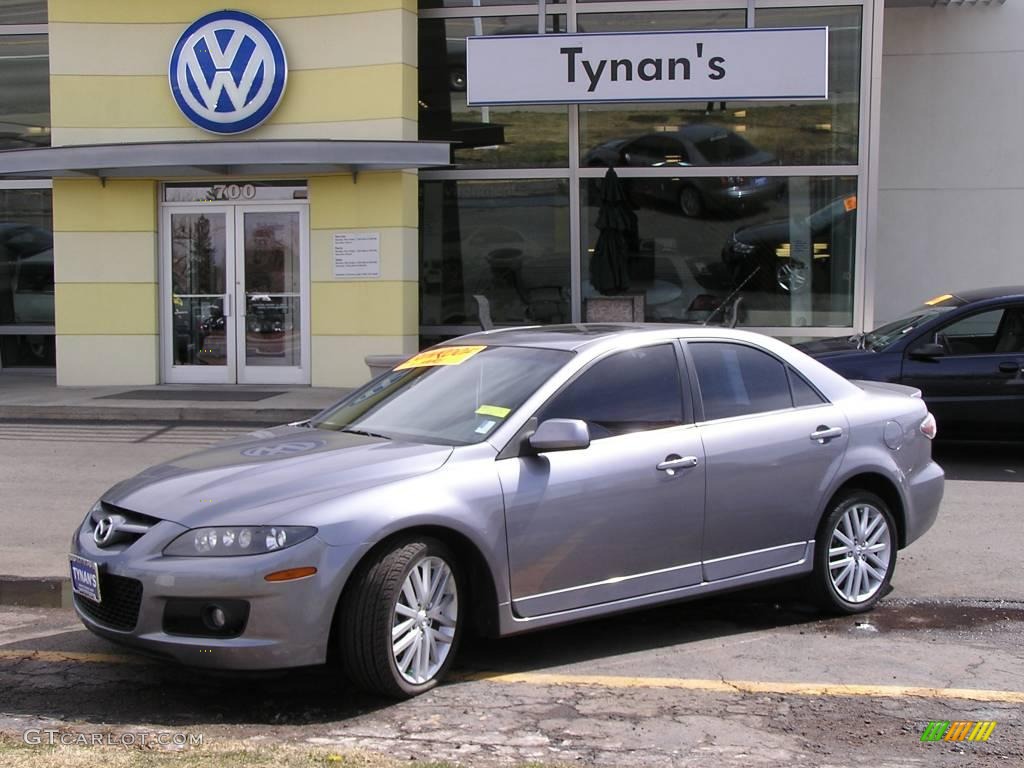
[(823, 434), (673, 462)]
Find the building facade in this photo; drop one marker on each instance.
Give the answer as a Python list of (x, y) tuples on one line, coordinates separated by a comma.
[(270, 194)]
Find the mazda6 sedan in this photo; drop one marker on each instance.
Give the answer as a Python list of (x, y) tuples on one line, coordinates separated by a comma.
[(508, 481)]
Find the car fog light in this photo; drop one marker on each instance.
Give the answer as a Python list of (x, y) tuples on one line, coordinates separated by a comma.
[(215, 617)]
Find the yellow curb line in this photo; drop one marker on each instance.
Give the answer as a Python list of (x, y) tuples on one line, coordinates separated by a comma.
[(748, 686), (617, 682)]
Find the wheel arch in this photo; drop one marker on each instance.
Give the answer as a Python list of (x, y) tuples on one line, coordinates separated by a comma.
[(882, 486), (483, 593)]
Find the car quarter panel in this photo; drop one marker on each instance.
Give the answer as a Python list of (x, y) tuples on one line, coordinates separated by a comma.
[(886, 440)]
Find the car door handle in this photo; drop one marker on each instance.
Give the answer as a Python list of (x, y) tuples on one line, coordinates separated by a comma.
[(1009, 367), (823, 434), (673, 462)]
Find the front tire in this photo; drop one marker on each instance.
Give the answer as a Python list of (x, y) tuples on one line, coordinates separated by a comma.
[(691, 204), (854, 554), (400, 621)]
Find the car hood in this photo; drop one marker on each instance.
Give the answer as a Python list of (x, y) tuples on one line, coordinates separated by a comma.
[(258, 478)]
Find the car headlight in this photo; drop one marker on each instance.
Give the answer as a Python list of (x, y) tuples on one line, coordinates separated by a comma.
[(232, 541)]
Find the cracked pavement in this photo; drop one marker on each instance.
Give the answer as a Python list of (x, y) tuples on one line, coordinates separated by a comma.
[(755, 678)]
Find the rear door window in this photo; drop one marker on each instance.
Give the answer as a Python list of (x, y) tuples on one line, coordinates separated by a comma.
[(737, 380)]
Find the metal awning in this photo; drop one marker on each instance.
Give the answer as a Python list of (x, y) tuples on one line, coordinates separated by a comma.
[(220, 158)]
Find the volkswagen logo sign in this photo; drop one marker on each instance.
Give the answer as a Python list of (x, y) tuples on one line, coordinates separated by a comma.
[(105, 531), (228, 72)]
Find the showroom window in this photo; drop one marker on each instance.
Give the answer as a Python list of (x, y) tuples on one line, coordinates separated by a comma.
[(757, 200), (26, 213)]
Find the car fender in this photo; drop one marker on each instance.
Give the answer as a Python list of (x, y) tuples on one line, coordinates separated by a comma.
[(869, 460)]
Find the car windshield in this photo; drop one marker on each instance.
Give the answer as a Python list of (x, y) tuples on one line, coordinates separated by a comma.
[(446, 395), (890, 333)]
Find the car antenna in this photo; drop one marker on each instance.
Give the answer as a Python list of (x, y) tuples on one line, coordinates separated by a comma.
[(729, 298)]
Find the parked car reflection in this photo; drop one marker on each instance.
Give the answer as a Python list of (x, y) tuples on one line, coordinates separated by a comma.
[(762, 256), (689, 146)]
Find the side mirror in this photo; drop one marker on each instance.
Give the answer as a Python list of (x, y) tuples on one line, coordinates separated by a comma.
[(928, 351), (560, 435)]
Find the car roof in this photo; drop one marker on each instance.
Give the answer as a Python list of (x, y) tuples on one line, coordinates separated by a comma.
[(579, 336), (982, 294)]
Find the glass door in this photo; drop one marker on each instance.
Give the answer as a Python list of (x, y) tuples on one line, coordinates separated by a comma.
[(272, 315), (197, 302)]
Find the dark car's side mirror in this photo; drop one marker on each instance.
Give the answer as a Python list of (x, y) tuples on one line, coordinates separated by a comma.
[(928, 351), (560, 435)]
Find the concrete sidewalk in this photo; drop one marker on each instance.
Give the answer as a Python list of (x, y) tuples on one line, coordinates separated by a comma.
[(36, 396)]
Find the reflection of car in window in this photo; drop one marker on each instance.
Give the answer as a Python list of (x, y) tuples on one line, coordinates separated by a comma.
[(763, 257), (692, 146)]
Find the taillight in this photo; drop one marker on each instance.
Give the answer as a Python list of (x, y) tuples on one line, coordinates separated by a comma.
[(928, 427)]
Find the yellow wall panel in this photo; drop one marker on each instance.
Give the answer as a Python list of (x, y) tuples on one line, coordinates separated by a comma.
[(84, 361), (379, 199), (371, 308), (340, 361), (96, 309), (187, 11), (324, 42), (86, 205), (312, 96), (105, 257)]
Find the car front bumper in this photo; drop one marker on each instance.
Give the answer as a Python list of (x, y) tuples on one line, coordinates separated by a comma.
[(288, 622)]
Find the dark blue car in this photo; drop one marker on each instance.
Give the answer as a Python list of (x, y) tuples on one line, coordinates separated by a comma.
[(964, 351)]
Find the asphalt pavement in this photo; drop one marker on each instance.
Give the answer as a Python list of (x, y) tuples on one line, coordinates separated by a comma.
[(755, 678)]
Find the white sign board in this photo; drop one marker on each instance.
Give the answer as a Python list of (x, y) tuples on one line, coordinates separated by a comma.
[(713, 65), (356, 255)]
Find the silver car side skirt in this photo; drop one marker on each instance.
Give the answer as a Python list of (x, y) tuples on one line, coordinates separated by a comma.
[(511, 624)]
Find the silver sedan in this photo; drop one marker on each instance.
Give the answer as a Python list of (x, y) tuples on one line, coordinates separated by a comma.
[(508, 481)]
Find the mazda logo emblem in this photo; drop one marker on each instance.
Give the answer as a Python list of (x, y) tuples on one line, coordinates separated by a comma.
[(105, 531)]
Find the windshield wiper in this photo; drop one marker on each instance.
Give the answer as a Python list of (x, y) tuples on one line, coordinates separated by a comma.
[(860, 339), (365, 433)]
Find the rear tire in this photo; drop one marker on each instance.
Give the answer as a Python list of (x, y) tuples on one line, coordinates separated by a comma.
[(854, 554), (691, 204), (400, 623)]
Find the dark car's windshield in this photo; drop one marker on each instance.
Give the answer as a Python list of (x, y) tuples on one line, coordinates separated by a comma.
[(447, 395), (890, 333)]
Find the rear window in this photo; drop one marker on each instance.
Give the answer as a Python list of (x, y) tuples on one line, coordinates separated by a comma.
[(725, 148)]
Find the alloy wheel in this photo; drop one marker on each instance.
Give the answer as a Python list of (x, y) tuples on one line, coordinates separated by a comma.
[(424, 620), (859, 552)]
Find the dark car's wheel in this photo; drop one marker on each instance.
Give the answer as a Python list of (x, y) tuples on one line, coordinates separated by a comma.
[(690, 202), (792, 276), (855, 553), (399, 623)]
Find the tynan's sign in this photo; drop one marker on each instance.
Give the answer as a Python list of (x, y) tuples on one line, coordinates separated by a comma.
[(719, 65), (228, 72)]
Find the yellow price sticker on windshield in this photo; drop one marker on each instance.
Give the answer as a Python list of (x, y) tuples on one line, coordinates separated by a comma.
[(938, 299), (440, 356), (497, 411)]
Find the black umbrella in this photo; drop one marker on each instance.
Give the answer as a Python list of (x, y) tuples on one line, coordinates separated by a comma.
[(617, 226)]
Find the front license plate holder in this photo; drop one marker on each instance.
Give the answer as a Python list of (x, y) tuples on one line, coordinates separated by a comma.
[(85, 578)]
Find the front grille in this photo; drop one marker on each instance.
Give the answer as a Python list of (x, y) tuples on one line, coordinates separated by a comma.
[(121, 598), (128, 526)]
